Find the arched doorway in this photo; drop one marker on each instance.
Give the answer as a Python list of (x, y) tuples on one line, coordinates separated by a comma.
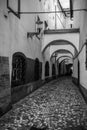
[(36, 70), (18, 69), (47, 68), (53, 71)]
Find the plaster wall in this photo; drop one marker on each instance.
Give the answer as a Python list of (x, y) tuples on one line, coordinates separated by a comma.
[(4, 30)]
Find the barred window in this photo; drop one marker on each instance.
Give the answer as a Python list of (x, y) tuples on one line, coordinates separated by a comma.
[(18, 70)]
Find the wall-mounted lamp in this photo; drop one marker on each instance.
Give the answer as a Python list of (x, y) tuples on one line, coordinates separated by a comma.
[(32, 34), (39, 28)]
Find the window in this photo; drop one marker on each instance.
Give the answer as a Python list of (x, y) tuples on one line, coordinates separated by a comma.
[(18, 70)]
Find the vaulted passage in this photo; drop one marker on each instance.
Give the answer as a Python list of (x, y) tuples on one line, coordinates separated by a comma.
[(56, 105)]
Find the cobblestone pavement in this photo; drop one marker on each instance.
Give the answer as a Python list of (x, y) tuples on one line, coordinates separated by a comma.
[(57, 105)]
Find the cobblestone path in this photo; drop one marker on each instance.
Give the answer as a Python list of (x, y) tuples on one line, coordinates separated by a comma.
[(57, 105)]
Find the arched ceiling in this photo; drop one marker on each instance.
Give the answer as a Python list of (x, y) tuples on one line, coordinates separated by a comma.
[(64, 60), (64, 54), (62, 57), (70, 60), (54, 48), (61, 51)]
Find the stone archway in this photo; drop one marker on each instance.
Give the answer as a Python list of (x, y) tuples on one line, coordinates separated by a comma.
[(66, 56), (18, 69), (60, 42), (55, 48), (61, 51)]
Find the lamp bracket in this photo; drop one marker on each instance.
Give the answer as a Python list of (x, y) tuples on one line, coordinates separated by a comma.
[(32, 34)]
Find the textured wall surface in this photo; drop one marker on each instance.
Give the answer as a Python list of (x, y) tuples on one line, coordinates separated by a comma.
[(5, 91)]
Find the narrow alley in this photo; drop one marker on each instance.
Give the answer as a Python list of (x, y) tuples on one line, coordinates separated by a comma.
[(57, 105)]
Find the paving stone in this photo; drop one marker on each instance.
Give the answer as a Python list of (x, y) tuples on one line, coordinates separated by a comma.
[(57, 105)]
